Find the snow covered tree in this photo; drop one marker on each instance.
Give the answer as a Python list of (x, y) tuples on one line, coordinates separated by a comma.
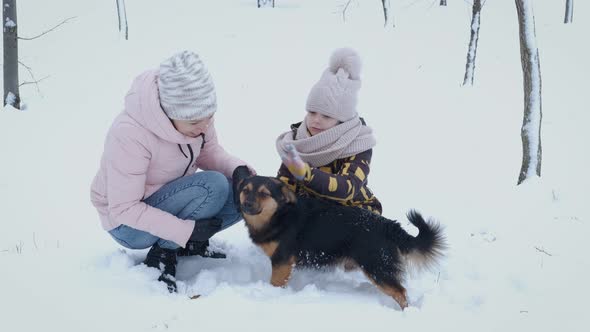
[(443, 2), (386, 12), (122, 15), (569, 11), (11, 61), (531, 72), (11, 87), (472, 50)]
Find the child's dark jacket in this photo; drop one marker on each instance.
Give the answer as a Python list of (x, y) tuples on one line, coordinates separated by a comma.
[(343, 181)]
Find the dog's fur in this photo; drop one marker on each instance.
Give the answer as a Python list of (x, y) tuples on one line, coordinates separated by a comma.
[(312, 232)]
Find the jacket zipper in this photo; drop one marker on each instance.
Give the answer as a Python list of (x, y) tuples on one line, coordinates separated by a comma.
[(190, 150)]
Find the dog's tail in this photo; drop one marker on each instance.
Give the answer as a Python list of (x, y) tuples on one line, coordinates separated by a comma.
[(425, 250)]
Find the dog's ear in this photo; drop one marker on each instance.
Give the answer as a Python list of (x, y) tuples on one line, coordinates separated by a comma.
[(289, 195), (241, 172), (239, 175), (276, 181)]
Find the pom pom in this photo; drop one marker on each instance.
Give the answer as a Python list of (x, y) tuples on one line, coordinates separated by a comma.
[(347, 59)]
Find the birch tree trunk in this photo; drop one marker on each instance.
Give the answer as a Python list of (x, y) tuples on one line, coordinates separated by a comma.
[(569, 11), (472, 50), (122, 14), (531, 71), (11, 87), (387, 13), (443, 2)]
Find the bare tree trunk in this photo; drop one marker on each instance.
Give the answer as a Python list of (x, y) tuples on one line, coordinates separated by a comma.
[(263, 3), (531, 72), (11, 89), (569, 11), (472, 50), (386, 13), (443, 2), (122, 14)]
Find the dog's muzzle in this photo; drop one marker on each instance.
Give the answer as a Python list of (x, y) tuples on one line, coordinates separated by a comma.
[(249, 208)]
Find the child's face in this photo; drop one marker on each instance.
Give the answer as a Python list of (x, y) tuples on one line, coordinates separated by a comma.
[(192, 128), (316, 122)]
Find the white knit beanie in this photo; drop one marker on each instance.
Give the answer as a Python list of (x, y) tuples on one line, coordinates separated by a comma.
[(335, 94), (186, 88)]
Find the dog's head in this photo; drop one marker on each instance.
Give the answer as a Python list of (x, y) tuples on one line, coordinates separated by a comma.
[(260, 197)]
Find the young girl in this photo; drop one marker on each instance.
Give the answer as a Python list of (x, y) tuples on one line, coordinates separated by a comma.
[(329, 153), (146, 191)]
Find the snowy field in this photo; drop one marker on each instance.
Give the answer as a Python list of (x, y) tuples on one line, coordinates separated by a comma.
[(517, 261)]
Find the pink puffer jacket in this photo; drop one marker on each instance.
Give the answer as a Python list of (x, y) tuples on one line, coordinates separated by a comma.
[(141, 154)]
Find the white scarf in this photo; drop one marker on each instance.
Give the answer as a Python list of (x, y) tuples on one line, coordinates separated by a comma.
[(344, 140)]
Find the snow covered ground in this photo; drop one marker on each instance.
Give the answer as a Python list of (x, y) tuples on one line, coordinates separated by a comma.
[(517, 261)]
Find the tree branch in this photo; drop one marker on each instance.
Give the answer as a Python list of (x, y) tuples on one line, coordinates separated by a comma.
[(35, 81), (48, 31), (344, 10), (543, 251)]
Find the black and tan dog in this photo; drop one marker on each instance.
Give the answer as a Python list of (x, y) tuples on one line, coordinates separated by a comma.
[(299, 231)]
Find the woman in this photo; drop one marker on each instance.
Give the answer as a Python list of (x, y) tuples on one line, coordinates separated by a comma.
[(147, 191)]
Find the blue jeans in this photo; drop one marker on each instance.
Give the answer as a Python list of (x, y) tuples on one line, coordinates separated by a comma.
[(202, 195)]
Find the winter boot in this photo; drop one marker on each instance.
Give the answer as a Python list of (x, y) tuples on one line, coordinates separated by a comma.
[(199, 248), (165, 261)]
